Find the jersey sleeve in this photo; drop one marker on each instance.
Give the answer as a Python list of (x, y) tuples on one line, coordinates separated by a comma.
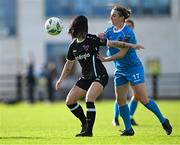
[(106, 33), (130, 38), (134, 38), (70, 55)]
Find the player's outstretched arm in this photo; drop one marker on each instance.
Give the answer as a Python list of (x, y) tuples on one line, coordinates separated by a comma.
[(66, 70), (121, 44)]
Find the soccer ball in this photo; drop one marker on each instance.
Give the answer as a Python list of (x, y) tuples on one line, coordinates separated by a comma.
[(53, 26)]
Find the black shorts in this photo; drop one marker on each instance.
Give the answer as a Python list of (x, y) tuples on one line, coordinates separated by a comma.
[(84, 83)]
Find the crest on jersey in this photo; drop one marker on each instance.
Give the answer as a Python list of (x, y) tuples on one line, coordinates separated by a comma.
[(127, 38), (120, 38), (86, 47)]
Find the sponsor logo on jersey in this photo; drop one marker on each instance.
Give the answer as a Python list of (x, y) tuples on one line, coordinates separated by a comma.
[(84, 56)]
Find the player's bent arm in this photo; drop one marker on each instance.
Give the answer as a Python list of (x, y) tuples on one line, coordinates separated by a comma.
[(66, 70), (121, 44), (118, 55)]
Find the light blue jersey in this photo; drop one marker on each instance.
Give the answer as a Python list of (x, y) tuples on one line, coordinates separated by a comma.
[(129, 68)]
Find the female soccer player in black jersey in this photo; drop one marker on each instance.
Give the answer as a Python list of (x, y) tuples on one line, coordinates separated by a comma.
[(84, 48)]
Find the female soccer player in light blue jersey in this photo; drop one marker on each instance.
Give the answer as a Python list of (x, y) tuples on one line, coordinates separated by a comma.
[(129, 69), (133, 102)]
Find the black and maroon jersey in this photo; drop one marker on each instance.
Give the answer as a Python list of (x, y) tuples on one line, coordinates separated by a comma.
[(85, 52)]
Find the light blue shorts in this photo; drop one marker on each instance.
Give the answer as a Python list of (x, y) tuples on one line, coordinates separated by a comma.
[(134, 75)]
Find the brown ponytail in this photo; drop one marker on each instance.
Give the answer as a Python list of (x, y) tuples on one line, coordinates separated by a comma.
[(122, 11)]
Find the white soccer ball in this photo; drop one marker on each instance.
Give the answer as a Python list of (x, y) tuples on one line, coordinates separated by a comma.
[(53, 26)]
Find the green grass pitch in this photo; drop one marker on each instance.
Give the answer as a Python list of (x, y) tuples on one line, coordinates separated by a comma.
[(45, 123)]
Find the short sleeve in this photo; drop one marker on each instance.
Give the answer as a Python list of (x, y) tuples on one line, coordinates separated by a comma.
[(70, 55), (132, 39)]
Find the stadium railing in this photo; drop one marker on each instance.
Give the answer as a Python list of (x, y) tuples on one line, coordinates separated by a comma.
[(13, 88)]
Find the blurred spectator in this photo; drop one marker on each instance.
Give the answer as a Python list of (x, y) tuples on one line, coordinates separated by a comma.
[(19, 87), (30, 78), (51, 75)]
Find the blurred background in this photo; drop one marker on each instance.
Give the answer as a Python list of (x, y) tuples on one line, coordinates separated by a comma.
[(31, 60)]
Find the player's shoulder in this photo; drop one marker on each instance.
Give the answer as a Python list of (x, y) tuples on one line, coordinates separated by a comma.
[(109, 31), (72, 43), (128, 30), (91, 37), (110, 28)]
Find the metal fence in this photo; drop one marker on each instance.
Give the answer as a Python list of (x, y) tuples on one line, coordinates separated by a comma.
[(15, 88)]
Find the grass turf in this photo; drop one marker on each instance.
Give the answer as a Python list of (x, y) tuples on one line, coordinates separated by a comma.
[(44, 123)]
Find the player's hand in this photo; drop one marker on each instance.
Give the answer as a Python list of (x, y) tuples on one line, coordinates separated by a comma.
[(58, 85), (101, 58), (101, 35), (138, 46)]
